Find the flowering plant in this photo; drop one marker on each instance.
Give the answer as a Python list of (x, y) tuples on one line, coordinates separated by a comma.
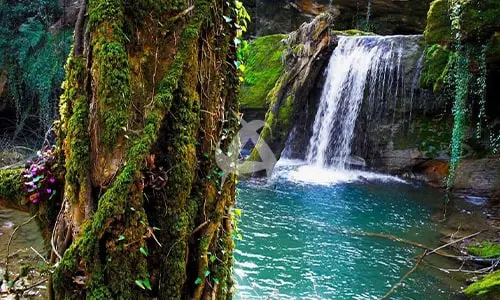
[(40, 182)]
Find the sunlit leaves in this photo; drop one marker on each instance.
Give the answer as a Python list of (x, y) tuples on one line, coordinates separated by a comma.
[(143, 284)]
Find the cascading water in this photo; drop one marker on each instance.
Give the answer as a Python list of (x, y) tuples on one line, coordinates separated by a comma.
[(369, 67)]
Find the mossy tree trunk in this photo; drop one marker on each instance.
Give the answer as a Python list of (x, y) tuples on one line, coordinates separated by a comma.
[(150, 92)]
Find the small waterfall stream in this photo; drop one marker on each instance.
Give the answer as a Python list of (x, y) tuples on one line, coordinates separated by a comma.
[(362, 70)]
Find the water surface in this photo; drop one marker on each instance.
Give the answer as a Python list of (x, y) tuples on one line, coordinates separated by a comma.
[(297, 245)]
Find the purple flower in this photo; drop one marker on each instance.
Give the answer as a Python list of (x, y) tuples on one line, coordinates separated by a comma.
[(52, 180), (49, 191)]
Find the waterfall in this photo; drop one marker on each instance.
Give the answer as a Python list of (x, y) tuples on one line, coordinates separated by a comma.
[(369, 71)]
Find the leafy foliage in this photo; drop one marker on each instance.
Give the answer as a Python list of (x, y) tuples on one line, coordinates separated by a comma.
[(33, 57)]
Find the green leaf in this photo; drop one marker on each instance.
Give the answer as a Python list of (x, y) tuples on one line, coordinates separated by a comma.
[(156, 228), (198, 281), (144, 251), (54, 192), (216, 280), (121, 238), (212, 258), (147, 284), (140, 284), (227, 19), (237, 212), (207, 272)]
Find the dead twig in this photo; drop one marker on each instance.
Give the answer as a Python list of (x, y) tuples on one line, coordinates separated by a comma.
[(39, 255), (454, 242), (10, 241), (33, 285), (419, 261)]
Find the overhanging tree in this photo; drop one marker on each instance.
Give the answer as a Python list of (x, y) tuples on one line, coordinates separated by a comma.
[(140, 212)]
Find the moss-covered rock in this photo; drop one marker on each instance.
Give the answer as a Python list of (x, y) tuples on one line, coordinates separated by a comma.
[(486, 288), (485, 249), (479, 18), (434, 66), (438, 29), (11, 189), (262, 61), (352, 32), (307, 50)]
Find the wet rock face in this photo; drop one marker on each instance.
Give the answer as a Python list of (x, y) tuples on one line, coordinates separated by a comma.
[(481, 175), (306, 52), (385, 16), (70, 9)]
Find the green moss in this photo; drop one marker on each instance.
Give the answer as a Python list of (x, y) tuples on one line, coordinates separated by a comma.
[(111, 69), (438, 29), (479, 17), (74, 112), (352, 32), (485, 249), (285, 116), (485, 288), (11, 187), (434, 66), (262, 60), (298, 49)]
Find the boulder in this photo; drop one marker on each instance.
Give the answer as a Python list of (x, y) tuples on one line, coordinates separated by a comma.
[(480, 176)]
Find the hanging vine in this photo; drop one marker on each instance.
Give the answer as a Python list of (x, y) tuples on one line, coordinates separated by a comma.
[(461, 78)]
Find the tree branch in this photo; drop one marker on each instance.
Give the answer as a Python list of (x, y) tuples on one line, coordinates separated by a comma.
[(79, 30), (419, 261), (10, 241)]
